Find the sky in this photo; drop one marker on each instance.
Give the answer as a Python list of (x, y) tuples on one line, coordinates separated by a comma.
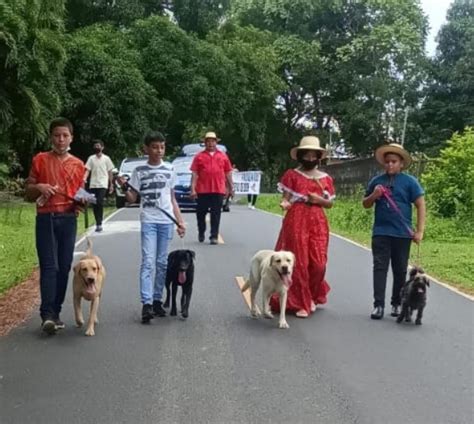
[(436, 12)]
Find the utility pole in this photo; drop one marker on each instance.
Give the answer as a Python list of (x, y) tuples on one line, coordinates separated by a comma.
[(404, 125)]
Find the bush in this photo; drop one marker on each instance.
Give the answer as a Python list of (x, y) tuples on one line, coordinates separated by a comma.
[(449, 180)]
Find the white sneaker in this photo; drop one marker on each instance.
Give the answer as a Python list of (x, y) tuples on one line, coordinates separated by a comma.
[(250, 206)]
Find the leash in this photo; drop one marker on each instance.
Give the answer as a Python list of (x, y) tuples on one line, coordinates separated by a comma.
[(394, 206)]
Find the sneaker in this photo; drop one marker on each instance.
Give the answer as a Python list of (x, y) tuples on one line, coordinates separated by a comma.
[(377, 313), (98, 229), (147, 314), (59, 324), (395, 311), (49, 326), (250, 206), (213, 241), (158, 310), (201, 238)]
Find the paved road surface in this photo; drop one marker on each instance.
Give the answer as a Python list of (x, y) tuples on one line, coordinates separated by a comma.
[(220, 366)]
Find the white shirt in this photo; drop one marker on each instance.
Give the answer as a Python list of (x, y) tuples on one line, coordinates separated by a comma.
[(99, 168), (154, 184)]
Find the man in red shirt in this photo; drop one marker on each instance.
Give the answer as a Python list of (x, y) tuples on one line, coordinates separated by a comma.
[(211, 181), (55, 177)]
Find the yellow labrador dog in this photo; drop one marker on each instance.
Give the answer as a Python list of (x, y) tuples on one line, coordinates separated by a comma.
[(273, 271), (89, 276)]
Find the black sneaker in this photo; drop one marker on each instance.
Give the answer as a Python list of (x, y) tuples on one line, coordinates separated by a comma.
[(158, 310), (395, 311), (213, 241), (98, 229), (49, 326), (201, 238), (377, 313), (147, 314), (59, 324)]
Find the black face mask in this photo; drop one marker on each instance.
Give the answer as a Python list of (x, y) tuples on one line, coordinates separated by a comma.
[(309, 164), (97, 149)]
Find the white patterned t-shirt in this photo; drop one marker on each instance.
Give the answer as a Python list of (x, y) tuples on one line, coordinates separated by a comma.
[(154, 184)]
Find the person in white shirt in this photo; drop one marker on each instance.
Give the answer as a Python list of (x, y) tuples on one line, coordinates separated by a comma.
[(99, 167)]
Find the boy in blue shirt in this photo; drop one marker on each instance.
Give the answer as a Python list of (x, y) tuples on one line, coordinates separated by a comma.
[(159, 211), (393, 194)]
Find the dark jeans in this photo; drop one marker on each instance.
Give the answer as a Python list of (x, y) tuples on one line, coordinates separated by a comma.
[(387, 249), (55, 238), (99, 206), (209, 202), (252, 198)]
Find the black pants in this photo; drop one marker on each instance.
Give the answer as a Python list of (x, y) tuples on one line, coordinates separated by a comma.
[(55, 238), (99, 206), (209, 202), (252, 199), (387, 249)]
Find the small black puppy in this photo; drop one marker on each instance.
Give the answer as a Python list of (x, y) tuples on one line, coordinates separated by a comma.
[(413, 296), (180, 272)]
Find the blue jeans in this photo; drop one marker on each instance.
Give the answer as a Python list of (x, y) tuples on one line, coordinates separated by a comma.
[(155, 241), (55, 238)]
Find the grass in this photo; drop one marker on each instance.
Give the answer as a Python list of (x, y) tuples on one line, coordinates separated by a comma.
[(445, 253), (17, 241)]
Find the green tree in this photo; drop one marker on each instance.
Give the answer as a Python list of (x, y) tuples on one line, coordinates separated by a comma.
[(449, 101), (107, 96), (32, 57)]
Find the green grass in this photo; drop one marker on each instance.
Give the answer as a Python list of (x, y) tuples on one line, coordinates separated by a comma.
[(17, 241), (445, 253)]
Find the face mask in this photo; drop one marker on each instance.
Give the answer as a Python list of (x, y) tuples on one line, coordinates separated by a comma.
[(97, 149), (309, 164)]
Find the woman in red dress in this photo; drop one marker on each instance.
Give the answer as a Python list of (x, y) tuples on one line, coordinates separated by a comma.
[(305, 231)]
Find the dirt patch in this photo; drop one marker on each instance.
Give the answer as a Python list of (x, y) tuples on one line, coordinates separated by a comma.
[(18, 303)]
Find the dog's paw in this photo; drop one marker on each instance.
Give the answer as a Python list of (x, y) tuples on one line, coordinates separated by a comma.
[(173, 313), (254, 313), (408, 319), (418, 322), (184, 315), (90, 332), (79, 324), (399, 319), (283, 324), (268, 315)]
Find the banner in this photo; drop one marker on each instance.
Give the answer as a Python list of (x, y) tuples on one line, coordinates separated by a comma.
[(247, 182)]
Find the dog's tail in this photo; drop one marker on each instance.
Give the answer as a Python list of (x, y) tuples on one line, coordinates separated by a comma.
[(245, 286), (89, 247)]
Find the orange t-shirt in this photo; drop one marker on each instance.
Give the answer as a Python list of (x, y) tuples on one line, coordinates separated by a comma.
[(67, 175)]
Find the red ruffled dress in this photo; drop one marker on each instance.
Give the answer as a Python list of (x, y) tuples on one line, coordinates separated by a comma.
[(305, 232)]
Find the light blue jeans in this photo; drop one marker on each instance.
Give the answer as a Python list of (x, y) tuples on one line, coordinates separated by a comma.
[(155, 241)]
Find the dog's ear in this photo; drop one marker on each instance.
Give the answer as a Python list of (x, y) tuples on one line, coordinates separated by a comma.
[(413, 272), (77, 267), (98, 263), (427, 281), (192, 253), (293, 257)]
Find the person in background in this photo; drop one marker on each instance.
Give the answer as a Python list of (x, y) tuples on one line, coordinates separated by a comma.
[(99, 167), (211, 182), (307, 191), (53, 181), (393, 194)]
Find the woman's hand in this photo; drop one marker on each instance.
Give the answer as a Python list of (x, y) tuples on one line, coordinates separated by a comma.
[(285, 204), (315, 199)]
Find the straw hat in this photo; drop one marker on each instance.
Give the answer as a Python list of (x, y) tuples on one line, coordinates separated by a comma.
[(309, 142), (211, 134), (393, 148)]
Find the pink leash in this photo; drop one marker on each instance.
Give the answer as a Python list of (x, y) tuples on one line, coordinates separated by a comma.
[(386, 193)]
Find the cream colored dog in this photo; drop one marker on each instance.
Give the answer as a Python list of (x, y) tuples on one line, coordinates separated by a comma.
[(273, 270), (89, 276)]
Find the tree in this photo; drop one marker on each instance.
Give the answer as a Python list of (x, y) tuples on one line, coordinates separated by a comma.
[(107, 96), (449, 101), (32, 57)]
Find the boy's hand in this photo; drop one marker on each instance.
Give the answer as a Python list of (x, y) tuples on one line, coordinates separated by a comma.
[(418, 236), (181, 229), (46, 190), (378, 191)]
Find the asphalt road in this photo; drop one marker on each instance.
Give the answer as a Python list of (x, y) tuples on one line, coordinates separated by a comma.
[(221, 366)]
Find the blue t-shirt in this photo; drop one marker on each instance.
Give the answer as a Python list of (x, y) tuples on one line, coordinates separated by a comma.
[(405, 190)]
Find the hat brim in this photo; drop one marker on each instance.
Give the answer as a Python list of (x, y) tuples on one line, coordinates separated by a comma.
[(383, 150), (211, 138), (295, 149)]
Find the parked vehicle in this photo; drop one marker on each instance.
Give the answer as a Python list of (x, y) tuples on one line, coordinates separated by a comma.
[(126, 168)]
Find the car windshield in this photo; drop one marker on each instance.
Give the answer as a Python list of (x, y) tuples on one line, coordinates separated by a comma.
[(128, 166), (194, 149)]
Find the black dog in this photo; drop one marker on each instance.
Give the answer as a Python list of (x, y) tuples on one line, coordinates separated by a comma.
[(413, 296), (180, 272)]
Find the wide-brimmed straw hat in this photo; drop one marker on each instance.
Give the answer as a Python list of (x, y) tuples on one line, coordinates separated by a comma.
[(310, 142), (394, 148), (211, 134)]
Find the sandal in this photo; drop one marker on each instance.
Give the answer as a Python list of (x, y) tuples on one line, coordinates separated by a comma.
[(313, 306), (302, 314)]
